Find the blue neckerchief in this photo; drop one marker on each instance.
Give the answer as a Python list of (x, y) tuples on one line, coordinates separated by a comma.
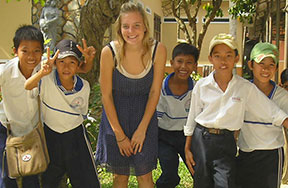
[(168, 91), (272, 91), (78, 84)]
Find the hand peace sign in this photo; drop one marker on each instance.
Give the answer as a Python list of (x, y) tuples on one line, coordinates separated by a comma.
[(88, 52), (47, 66)]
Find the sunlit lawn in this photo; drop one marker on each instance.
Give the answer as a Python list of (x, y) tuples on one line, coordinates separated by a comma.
[(186, 179)]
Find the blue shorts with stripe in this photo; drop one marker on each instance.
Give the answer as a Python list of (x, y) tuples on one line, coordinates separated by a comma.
[(70, 153)]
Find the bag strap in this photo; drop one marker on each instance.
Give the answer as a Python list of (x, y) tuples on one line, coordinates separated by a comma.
[(39, 111), (39, 116), (8, 128)]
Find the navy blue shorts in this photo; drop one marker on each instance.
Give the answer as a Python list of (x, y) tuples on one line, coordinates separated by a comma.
[(214, 155), (70, 153), (171, 144), (260, 168)]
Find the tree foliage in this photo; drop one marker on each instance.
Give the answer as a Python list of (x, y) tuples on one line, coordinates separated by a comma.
[(42, 2), (243, 10), (190, 9)]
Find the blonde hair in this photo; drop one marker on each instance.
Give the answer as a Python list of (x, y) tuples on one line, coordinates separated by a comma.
[(147, 41)]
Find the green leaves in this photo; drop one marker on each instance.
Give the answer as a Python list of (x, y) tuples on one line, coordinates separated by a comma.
[(42, 2), (47, 41), (209, 8), (243, 10), (196, 76), (10, 0)]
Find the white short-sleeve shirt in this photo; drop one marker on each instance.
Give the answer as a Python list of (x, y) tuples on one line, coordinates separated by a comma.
[(213, 108), (20, 109), (257, 134), (172, 111), (63, 110)]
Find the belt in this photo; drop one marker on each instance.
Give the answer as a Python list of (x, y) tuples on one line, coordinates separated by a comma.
[(214, 130)]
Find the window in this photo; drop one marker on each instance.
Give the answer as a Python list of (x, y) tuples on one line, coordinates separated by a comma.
[(217, 20), (157, 27), (173, 20)]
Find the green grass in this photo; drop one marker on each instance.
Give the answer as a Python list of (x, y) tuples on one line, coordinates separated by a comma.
[(106, 178)]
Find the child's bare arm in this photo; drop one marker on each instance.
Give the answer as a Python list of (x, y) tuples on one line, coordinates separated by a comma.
[(188, 155), (285, 123), (89, 55), (33, 81), (46, 68)]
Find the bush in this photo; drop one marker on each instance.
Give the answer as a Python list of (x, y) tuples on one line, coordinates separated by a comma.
[(94, 115)]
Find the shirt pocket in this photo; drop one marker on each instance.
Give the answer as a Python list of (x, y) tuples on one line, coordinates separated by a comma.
[(235, 105)]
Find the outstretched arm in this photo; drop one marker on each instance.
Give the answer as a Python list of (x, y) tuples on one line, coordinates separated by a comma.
[(46, 68), (89, 55), (285, 123)]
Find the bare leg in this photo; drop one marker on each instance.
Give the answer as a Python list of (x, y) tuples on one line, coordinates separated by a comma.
[(120, 181), (145, 181)]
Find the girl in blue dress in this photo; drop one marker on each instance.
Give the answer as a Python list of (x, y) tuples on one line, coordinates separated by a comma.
[(131, 74)]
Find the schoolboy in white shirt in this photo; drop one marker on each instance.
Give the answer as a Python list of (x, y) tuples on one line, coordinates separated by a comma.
[(19, 109), (172, 112), (218, 106), (260, 159), (64, 97)]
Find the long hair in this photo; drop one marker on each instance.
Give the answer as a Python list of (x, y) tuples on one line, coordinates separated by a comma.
[(147, 41)]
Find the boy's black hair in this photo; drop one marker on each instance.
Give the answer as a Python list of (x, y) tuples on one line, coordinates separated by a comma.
[(28, 32), (185, 49), (284, 76)]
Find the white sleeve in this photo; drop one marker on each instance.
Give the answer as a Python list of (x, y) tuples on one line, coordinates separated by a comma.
[(195, 109), (259, 105), (283, 102), (85, 110), (160, 107), (2, 68)]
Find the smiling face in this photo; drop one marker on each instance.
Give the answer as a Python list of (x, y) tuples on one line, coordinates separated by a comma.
[(223, 59), (183, 66), (67, 68), (264, 70), (29, 53), (132, 27)]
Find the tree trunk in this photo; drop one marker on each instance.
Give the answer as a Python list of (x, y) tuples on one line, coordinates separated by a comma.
[(95, 18), (190, 10), (216, 6)]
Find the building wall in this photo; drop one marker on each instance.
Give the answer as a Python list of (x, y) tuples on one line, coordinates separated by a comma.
[(22, 15), (12, 15), (170, 38)]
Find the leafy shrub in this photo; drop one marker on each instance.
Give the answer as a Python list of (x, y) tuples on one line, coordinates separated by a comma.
[(94, 115)]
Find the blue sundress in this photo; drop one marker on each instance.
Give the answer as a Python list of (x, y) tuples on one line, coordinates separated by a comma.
[(130, 98)]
